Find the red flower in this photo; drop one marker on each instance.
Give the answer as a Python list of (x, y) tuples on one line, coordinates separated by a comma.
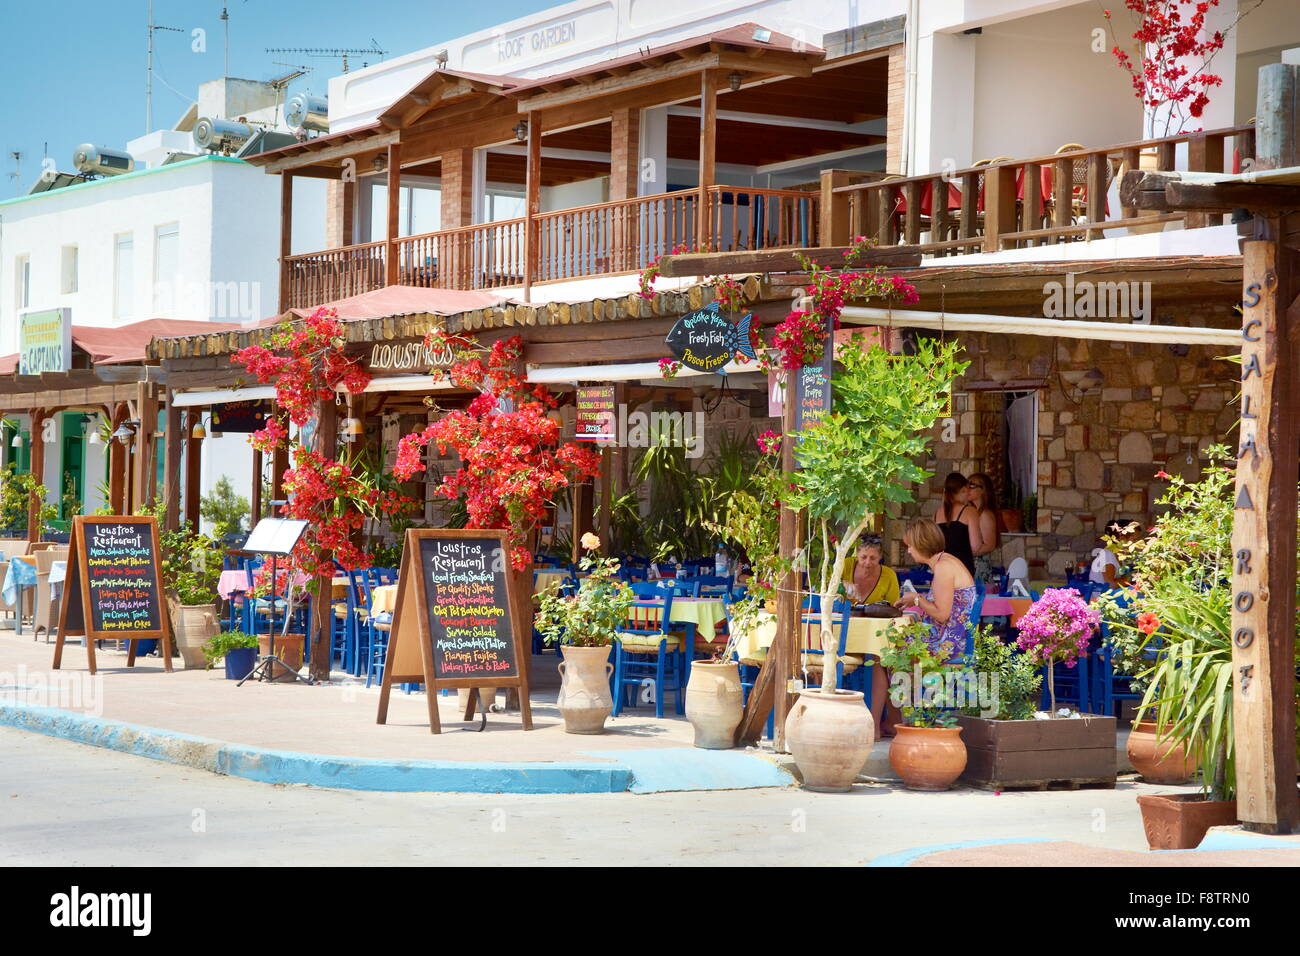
[(1148, 623)]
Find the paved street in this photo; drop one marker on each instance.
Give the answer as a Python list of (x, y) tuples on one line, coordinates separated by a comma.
[(69, 804)]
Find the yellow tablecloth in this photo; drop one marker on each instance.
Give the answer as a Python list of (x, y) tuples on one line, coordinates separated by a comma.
[(544, 579), (704, 613), (866, 634), (383, 598)]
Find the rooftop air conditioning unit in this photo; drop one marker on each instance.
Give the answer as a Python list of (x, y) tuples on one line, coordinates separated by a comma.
[(93, 160)]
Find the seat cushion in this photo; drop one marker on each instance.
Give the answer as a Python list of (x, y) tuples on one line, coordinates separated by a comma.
[(646, 643)]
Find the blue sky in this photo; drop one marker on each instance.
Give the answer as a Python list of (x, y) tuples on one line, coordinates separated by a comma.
[(75, 73)]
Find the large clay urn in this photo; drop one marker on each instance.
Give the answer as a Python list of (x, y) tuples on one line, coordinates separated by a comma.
[(714, 704), (195, 626), (928, 758), (585, 700), (830, 738), (1158, 761)]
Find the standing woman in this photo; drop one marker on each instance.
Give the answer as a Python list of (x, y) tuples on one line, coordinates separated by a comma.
[(959, 521), (986, 519)]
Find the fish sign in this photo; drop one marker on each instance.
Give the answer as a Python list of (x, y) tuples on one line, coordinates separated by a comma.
[(704, 340)]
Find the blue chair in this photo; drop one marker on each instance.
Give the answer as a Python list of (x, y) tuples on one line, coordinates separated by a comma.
[(712, 585), (748, 671), (638, 639), (813, 657)]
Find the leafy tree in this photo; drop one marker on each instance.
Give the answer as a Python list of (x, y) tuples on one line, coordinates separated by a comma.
[(224, 510)]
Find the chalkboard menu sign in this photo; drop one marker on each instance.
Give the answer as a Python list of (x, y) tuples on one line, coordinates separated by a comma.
[(113, 589), (596, 414), (454, 623)]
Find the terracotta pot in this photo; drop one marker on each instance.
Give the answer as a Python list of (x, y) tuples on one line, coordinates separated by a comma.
[(195, 626), (1013, 520), (1179, 821), (1158, 762), (714, 704), (928, 758), (585, 699), (288, 647), (487, 699), (830, 738)]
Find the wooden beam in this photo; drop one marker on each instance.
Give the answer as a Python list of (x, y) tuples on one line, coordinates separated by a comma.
[(286, 238), (709, 83), (391, 264), (173, 443), (117, 464), (532, 200), (352, 147), (781, 260), (1263, 545), (38, 472), (193, 469)]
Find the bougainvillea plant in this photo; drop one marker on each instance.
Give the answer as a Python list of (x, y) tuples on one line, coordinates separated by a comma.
[(306, 361), (1057, 628), (1169, 61), (512, 462)]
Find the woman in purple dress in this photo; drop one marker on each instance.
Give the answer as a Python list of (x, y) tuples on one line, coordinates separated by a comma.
[(948, 606)]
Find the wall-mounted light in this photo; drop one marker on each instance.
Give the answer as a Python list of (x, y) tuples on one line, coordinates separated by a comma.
[(733, 81), (379, 164), (125, 432), (198, 431), (351, 429), (18, 440), (90, 426), (521, 131)]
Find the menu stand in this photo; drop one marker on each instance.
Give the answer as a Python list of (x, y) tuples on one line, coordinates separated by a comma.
[(274, 537)]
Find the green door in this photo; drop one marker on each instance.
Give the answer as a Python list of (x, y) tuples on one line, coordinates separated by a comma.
[(73, 481)]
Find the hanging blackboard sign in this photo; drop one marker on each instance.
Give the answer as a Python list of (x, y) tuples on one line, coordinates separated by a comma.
[(113, 588), (454, 623), (705, 340), (596, 414), (812, 394)]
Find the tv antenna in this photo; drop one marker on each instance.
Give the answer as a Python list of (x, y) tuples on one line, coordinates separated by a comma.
[(333, 52), (148, 80), (17, 174)]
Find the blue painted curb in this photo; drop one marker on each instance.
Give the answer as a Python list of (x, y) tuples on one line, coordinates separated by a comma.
[(317, 770), (904, 857)]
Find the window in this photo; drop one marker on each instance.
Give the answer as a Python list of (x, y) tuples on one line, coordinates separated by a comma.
[(23, 281), (123, 276), (166, 268), (68, 273)]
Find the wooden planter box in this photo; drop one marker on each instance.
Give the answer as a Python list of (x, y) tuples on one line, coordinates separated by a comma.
[(1037, 754)]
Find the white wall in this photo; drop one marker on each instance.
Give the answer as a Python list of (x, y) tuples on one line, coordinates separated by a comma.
[(228, 215), (585, 32)]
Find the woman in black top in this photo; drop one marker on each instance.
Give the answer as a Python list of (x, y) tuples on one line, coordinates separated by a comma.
[(959, 521)]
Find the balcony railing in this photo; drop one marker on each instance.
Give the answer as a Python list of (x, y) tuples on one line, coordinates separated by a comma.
[(1020, 203), (609, 238)]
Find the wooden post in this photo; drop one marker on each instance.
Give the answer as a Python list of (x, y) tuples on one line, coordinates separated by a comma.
[(708, 155), (193, 470), (606, 498), (38, 472), (279, 465), (834, 227), (173, 442), (392, 266), (999, 205), (1264, 517), (327, 433), (255, 495), (771, 687), (144, 481), (117, 465), (532, 200), (286, 239), (624, 173)]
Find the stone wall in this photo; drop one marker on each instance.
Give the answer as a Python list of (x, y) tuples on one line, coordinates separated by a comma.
[(1099, 450)]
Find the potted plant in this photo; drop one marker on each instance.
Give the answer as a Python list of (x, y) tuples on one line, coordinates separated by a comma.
[(928, 752), (1057, 628), (855, 461), (1183, 609), (239, 650), (585, 625), (1008, 745), (190, 570)]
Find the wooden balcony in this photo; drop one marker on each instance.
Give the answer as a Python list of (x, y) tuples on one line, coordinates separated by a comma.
[(1020, 203), (613, 238)]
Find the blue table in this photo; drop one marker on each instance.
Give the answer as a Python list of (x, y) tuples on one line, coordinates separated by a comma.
[(20, 576)]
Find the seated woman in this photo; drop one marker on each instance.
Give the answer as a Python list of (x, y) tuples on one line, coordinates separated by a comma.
[(1105, 570), (952, 592), (866, 577)]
